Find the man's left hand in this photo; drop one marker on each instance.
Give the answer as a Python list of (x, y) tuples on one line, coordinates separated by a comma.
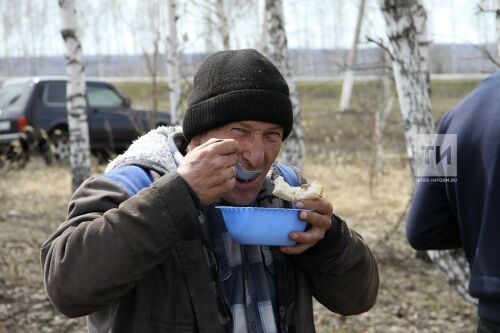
[(318, 213)]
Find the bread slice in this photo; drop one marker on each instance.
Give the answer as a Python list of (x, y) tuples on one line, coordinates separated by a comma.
[(286, 192)]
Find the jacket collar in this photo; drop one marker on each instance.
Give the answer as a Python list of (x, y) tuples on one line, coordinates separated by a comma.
[(153, 150)]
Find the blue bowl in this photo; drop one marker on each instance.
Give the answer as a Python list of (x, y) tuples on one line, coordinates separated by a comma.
[(262, 226)]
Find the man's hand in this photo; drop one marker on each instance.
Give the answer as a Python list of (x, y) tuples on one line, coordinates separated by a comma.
[(320, 220), (209, 169)]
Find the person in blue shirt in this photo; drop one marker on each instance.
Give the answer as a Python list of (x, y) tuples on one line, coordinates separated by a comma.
[(466, 213)]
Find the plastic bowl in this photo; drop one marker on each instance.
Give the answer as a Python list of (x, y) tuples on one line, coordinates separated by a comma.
[(262, 226)]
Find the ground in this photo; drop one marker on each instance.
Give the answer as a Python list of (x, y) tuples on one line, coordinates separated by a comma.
[(413, 296)]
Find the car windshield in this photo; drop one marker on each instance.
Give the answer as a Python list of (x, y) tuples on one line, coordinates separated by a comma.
[(14, 95)]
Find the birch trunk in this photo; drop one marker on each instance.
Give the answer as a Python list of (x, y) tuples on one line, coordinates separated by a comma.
[(406, 28), (222, 23), (381, 116), (209, 24), (345, 97), (293, 149), (173, 65), (263, 42), (77, 117)]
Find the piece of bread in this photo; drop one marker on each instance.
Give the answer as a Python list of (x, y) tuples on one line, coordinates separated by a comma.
[(286, 192)]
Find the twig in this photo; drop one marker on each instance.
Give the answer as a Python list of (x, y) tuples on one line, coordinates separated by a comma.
[(481, 10), (381, 44), (487, 54), (388, 234)]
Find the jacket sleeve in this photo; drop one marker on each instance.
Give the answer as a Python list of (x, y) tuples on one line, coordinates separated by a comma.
[(110, 240), (431, 224), (341, 270)]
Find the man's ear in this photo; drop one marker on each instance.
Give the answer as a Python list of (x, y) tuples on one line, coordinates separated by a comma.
[(195, 141)]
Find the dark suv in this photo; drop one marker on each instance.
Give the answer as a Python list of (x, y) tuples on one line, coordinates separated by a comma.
[(40, 102)]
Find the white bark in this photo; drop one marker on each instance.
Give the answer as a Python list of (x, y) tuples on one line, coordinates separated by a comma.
[(151, 34), (345, 97), (152, 66), (406, 24), (381, 115), (209, 24), (406, 28), (293, 149), (77, 116), (263, 42), (222, 23), (173, 64)]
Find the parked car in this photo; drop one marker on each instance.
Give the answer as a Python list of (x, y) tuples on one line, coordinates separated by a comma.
[(40, 102)]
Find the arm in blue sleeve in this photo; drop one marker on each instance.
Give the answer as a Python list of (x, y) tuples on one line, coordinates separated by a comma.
[(431, 224)]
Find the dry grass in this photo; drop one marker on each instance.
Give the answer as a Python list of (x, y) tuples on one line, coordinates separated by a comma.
[(413, 297)]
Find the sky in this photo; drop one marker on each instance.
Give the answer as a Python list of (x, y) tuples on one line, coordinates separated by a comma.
[(309, 24), (450, 21)]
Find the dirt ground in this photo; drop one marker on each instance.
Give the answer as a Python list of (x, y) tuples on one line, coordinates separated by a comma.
[(413, 296)]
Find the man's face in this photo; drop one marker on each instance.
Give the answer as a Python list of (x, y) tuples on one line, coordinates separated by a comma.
[(260, 143)]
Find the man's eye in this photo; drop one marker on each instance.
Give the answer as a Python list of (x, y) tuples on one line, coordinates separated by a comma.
[(274, 136), (238, 130)]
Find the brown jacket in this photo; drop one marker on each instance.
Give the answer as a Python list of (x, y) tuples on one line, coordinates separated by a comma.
[(136, 263)]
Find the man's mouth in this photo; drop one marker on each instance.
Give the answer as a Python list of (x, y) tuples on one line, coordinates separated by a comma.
[(246, 182), (243, 173)]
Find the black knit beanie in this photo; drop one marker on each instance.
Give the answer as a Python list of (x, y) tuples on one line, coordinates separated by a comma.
[(237, 85)]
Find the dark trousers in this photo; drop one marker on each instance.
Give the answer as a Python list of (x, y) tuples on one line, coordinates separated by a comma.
[(487, 326)]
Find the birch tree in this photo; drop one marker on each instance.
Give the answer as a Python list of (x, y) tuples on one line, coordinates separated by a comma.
[(151, 34), (488, 7), (406, 22), (75, 91), (293, 149), (222, 23), (382, 114), (263, 40), (345, 97), (173, 65)]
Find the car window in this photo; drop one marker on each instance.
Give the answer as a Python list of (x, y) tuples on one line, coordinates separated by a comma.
[(15, 95), (55, 94), (103, 96)]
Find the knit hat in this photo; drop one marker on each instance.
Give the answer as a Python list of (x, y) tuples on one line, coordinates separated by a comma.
[(237, 85)]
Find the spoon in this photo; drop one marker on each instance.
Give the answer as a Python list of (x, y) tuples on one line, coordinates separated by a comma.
[(241, 172), (245, 174)]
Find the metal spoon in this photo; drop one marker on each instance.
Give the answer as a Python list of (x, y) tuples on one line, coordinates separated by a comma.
[(245, 174)]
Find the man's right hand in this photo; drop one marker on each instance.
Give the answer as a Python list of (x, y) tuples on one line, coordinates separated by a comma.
[(209, 169)]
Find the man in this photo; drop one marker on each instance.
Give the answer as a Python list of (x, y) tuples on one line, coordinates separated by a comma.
[(144, 250), (466, 213)]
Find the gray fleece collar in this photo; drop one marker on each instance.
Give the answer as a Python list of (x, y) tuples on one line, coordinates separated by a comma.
[(152, 150)]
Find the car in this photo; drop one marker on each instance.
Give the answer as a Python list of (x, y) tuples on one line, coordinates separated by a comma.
[(40, 103)]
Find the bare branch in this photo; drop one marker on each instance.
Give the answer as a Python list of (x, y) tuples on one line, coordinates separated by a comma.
[(481, 10), (380, 44), (487, 54)]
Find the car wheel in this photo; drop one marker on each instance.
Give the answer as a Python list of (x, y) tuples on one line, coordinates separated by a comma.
[(60, 140)]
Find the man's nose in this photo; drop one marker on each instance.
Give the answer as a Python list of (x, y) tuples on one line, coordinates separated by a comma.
[(253, 152)]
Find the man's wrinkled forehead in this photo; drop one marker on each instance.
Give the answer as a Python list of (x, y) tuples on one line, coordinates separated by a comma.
[(250, 125)]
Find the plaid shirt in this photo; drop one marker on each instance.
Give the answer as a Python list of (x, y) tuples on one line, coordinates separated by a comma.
[(245, 273), (247, 276)]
